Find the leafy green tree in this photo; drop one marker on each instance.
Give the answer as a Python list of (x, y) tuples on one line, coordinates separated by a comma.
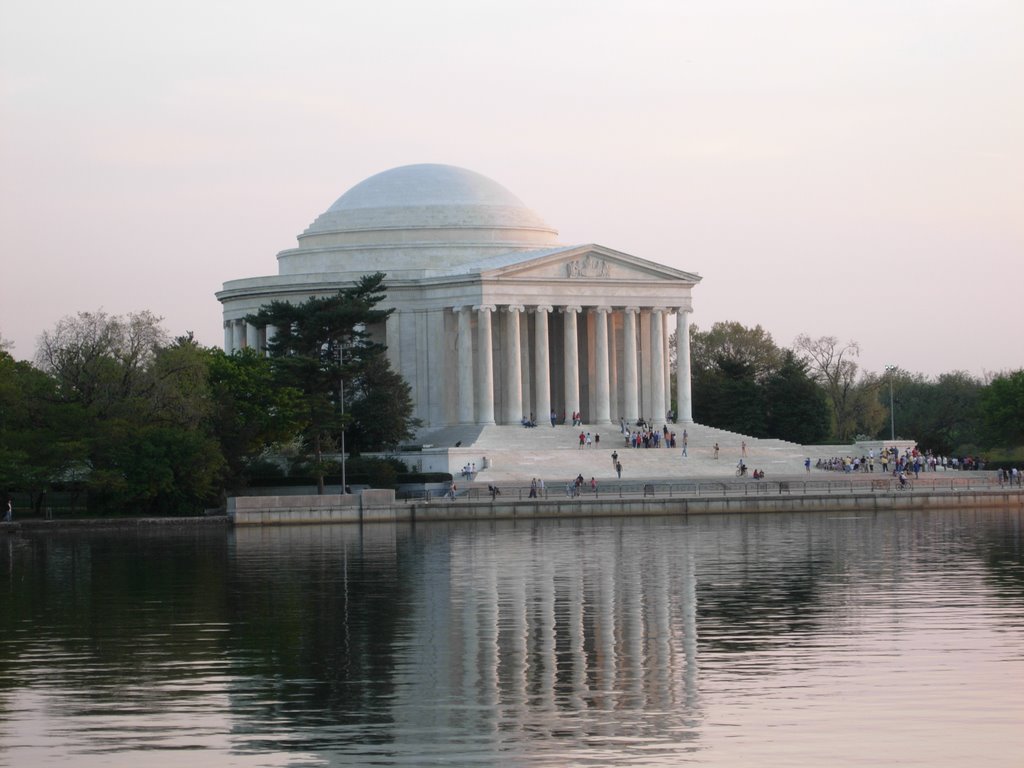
[(322, 347), (752, 348), (250, 410), (42, 440), (866, 413), (143, 412), (1002, 407), (943, 415)]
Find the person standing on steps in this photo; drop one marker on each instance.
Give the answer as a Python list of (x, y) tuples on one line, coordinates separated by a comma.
[(686, 438), (716, 450), (743, 448), (618, 469), (9, 514)]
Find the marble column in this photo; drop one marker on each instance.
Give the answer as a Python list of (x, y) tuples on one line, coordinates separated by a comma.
[(229, 337), (252, 337), (630, 389), (238, 335), (525, 362), (684, 397), (542, 363), (392, 338), (614, 367), (438, 340), (602, 405), (658, 366), (668, 360), (513, 367), (572, 363), (269, 335), (464, 350), (485, 350)]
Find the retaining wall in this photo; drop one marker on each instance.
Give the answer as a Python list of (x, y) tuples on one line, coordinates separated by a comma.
[(381, 506)]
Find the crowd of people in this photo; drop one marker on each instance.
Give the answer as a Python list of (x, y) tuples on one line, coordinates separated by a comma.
[(911, 460)]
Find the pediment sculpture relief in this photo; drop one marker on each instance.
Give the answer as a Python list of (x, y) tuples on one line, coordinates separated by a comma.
[(588, 266)]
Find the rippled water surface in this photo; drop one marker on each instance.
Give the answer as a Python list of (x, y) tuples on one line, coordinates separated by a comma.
[(774, 640)]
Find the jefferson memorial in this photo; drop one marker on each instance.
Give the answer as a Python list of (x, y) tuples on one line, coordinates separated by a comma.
[(494, 319)]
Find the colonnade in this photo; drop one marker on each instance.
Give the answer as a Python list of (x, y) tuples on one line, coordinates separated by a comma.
[(485, 364), (239, 335), (607, 363)]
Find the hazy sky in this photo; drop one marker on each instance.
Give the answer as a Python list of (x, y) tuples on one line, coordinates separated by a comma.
[(839, 168)]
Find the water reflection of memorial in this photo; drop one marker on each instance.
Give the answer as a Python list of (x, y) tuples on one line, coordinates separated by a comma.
[(542, 628)]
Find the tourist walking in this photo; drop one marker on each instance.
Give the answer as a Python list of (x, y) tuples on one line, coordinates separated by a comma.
[(9, 514), (716, 450), (686, 439), (618, 469)]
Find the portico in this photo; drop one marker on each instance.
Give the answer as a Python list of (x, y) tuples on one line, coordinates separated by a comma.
[(493, 321)]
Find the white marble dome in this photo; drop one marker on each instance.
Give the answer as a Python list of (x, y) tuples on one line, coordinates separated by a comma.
[(417, 218)]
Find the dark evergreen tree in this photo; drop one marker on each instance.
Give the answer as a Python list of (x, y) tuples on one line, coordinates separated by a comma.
[(323, 348), (796, 407)]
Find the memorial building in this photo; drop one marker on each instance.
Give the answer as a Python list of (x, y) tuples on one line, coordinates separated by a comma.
[(494, 320)]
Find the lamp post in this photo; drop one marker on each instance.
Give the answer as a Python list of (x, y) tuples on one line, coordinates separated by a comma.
[(890, 369), (341, 408)]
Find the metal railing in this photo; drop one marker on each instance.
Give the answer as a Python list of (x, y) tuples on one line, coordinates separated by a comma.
[(703, 488)]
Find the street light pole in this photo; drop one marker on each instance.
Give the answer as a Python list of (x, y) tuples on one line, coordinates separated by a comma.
[(341, 403), (341, 408), (890, 369)]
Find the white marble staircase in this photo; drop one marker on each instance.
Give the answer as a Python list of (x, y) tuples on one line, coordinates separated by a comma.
[(517, 454)]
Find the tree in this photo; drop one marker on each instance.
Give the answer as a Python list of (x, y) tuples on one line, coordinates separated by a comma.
[(752, 348), (142, 412), (322, 347), (729, 397), (730, 368), (831, 364), (251, 411), (98, 360), (379, 405), (796, 407), (943, 415), (42, 440), (1002, 407)]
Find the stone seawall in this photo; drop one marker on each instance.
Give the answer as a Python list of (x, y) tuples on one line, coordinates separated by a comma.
[(381, 506)]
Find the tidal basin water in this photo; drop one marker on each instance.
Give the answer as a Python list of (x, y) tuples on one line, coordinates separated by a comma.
[(809, 639)]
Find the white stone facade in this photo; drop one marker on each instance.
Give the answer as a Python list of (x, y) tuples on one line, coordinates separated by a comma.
[(494, 320)]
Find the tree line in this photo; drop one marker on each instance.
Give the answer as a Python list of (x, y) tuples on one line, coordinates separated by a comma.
[(815, 392), (114, 410)]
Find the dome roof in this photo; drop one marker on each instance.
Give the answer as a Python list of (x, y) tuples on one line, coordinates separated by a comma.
[(419, 217), (412, 186), (426, 196)]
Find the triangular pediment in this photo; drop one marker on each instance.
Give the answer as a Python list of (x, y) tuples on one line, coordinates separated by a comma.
[(586, 263)]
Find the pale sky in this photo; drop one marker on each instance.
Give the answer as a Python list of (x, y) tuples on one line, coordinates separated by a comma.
[(853, 169)]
